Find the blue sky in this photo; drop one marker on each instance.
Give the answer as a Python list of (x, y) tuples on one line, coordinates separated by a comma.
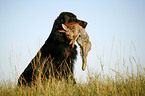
[(114, 27)]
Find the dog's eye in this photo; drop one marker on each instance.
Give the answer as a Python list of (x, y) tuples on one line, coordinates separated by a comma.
[(73, 18)]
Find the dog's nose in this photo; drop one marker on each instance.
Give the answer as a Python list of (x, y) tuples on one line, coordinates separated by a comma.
[(82, 23)]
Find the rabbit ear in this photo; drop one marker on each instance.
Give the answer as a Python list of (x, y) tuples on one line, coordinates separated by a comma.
[(64, 27)]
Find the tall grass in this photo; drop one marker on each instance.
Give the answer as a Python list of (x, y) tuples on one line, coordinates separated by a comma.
[(124, 83)]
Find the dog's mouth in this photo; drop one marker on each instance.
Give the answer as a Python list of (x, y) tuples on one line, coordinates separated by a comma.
[(80, 22)]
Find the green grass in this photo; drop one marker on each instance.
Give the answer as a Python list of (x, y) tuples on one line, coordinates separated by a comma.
[(103, 85)]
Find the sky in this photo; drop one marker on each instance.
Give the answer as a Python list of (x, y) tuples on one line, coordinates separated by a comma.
[(116, 29)]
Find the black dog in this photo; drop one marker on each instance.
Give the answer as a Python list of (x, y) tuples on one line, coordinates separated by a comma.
[(56, 57)]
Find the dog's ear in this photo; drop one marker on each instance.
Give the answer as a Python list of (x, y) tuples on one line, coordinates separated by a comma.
[(67, 18)]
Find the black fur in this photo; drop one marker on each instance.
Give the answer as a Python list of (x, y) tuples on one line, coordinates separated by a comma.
[(57, 54)]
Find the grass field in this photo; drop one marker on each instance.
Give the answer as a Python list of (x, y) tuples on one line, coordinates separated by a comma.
[(125, 83), (103, 85)]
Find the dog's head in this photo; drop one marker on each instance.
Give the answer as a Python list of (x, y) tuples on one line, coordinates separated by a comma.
[(68, 18)]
